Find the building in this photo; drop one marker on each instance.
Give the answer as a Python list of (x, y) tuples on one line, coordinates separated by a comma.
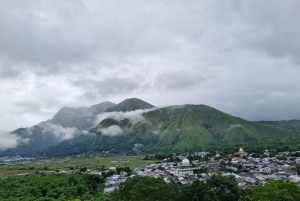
[(241, 152), (185, 169)]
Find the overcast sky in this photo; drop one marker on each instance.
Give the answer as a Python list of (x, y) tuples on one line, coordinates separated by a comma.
[(241, 57)]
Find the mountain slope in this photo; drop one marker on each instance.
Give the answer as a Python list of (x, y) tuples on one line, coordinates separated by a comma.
[(130, 105), (289, 126), (67, 123), (81, 118), (31, 140), (180, 128)]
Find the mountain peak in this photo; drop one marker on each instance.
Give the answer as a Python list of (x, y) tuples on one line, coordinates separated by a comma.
[(130, 104)]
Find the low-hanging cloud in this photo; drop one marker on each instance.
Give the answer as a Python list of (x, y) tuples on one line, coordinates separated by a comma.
[(134, 116), (112, 131), (62, 133), (234, 126), (8, 140)]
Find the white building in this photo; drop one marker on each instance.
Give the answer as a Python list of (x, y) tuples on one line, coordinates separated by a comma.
[(185, 169)]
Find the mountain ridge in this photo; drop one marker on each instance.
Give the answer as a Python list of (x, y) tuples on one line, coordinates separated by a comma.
[(179, 127), (130, 104)]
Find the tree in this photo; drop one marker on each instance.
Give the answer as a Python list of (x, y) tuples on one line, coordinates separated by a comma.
[(146, 189), (276, 191), (224, 188)]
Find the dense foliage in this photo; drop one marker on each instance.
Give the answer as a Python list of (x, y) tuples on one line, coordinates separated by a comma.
[(90, 188), (52, 187), (176, 128), (217, 188)]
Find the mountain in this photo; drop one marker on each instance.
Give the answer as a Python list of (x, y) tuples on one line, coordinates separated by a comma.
[(289, 126), (81, 118), (184, 127), (67, 123), (31, 140), (121, 126), (130, 104)]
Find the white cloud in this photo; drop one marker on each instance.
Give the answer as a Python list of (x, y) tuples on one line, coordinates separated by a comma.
[(79, 53), (60, 132), (8, 140), (112, 131), (134, 116)]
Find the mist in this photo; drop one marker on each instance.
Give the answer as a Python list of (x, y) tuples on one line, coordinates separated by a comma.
[(8, 140)]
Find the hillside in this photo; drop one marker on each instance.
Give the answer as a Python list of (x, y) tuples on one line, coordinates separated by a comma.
[(31, 140), (66, 124), (185, 127), (289, 126), (81, 118), (120, 127), (130, 104)]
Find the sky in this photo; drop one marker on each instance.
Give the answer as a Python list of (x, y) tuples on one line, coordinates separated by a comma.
[(241, 57)]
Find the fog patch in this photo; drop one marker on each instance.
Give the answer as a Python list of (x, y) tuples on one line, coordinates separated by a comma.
[(112, 131), (176, 107), (234, 126), (135, 116), (25, 140), (62, 133), (8, 140), (156, 132)]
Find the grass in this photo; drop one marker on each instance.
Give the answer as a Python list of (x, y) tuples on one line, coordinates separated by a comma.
[(17, 168)]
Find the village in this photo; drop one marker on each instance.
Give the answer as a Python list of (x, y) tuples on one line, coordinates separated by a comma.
[(248, 169), (245, 168)]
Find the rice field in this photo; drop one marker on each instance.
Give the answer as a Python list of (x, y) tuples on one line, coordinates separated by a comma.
[(30, 167)]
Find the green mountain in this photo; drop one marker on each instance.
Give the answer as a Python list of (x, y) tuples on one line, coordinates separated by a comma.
[(31, 140), (130, 104), (289, 126), (184, 127), (81, 118), (120, 127), (67, 123)]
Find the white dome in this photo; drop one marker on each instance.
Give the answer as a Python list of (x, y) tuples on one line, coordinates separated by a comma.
[(185, 162)]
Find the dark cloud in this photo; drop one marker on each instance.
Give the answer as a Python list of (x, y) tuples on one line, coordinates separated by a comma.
[(241, 57), (28, 106), (107, 87), (273, 27)]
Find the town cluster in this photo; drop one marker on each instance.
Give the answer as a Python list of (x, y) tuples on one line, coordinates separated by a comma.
[(247, 169), (6, 159)]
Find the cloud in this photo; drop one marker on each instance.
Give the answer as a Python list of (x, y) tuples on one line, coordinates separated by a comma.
[(79, 53), (156, 132), (134, 116), (178, 80), (111, 131), (234, 126), (273, 28), (60, 132), (8, 140), (108, 86)]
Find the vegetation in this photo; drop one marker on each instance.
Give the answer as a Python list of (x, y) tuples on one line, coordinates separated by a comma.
[(217, 188), (98, 163), (53, 187), (130, 105), (176, 128)]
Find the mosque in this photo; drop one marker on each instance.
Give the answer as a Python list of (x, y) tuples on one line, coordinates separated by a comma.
[(241, 152), (185, 169)]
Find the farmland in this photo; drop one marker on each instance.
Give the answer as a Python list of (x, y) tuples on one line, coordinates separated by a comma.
[(47, 165)]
